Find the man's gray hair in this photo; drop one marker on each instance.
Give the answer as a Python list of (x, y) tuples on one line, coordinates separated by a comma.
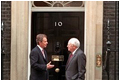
[(75, 42)]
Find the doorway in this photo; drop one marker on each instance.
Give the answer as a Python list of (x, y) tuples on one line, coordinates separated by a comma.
[(59, 28)]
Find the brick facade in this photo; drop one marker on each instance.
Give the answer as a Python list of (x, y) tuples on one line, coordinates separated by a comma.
[(111, 12), (6, 19)]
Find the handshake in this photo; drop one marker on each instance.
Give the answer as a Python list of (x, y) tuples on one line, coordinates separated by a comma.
[(49, 65)]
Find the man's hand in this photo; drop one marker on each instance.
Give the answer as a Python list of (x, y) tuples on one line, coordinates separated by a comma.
[(49, 66)]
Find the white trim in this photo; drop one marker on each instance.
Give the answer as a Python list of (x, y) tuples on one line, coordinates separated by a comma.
[(58, 9), (29, 38), (85, 32), (85, 35)]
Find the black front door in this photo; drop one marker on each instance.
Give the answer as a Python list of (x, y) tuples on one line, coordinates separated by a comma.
[(59, 28)]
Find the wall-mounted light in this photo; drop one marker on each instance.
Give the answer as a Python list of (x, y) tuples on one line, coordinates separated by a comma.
[(2, 38), (2, 26)]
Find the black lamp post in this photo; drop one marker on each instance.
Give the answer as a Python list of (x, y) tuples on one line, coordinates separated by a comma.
[(108, 50)]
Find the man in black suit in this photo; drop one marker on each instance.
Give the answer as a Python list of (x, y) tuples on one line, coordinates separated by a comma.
[(76, 64), (38, 59)]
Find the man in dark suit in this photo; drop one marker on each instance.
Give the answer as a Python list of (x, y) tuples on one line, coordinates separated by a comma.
[(38, 59), (76, 64)]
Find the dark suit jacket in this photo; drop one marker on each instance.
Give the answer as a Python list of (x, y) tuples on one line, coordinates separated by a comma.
[(38, 65), (75, 69)]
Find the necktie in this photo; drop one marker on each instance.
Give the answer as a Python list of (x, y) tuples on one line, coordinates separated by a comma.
[(43, 53), (69, 58)]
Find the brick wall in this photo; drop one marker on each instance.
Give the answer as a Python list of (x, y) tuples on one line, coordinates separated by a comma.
[(111, 12), (5, 58)]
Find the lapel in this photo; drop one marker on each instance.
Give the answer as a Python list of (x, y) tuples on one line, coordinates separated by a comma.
[(71, 59), (45, 56), (40, 54)]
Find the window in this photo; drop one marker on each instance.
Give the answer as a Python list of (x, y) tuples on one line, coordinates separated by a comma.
[(58, 4)]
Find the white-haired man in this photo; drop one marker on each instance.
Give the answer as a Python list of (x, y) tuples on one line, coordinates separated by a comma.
[(75, 67)]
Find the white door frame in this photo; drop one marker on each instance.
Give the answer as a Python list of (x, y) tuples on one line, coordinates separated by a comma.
[(48, 9)]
